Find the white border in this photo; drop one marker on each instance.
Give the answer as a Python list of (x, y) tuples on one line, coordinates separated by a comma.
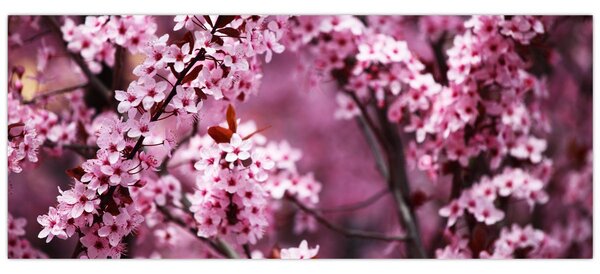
[(425, 7)]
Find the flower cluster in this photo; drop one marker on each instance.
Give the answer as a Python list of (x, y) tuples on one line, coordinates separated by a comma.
[(238, 177), (18, 246), (522, 242), (97, 37), (479, 199), (300, 252)]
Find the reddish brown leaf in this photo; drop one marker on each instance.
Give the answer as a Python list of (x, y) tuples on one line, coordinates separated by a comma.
[(275, 253), (192, 75), (188, 37), (124, 195), (478, 239), (112, 208), (247, 162), (231, 32), (208, 20), (11, 126), (231, 120), (220, 134), (223, 20), (217, 40), (75, 173), (200, 93)]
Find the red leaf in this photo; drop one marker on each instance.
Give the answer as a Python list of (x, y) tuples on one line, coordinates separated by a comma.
[(193, 74), (207, 18), (223, 20), (124, 195), (478, 239), (231, 32), (200, 93), (220, 134), (188, 37), (75, 173), (231, 120), (217, 40)]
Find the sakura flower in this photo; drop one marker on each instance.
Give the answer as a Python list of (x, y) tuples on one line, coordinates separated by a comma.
[(179, 56), (151, 92), (272, 45), (300, 252), (53, 225), (185, 99), (531, 148), (453, 211), (236, 149), (80, 198), (127, 100), (141, 127), (347, 108), (488, 214), (112, 227), (97, 247)]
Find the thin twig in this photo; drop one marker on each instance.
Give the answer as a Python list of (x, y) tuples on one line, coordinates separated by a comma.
[(344, 231), (219, 246), (358, 205), (47, 94), (376, 149), (164, 167)]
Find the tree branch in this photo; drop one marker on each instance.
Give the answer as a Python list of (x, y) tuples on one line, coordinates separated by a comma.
[(352, 233), (398, 184), (219, 246), (92, 79), (47, 94), (358, 205)]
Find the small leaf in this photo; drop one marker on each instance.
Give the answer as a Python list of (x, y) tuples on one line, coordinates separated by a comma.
[(200, 93), (208, 20), (223, 20), (75, 173), (188, 37), (217, 40), (13, 125), (231, 32), (231, 120), (124, 195), (247, 162), (478, 239), (220, 134), (192, 75)]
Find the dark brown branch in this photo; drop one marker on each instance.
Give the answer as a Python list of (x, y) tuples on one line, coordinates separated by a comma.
[(352, 233), (156, 116), (400, 188)]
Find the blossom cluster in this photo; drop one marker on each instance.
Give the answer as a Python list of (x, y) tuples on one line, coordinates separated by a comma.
[(18, 246), (479, 199), (96, 39)]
